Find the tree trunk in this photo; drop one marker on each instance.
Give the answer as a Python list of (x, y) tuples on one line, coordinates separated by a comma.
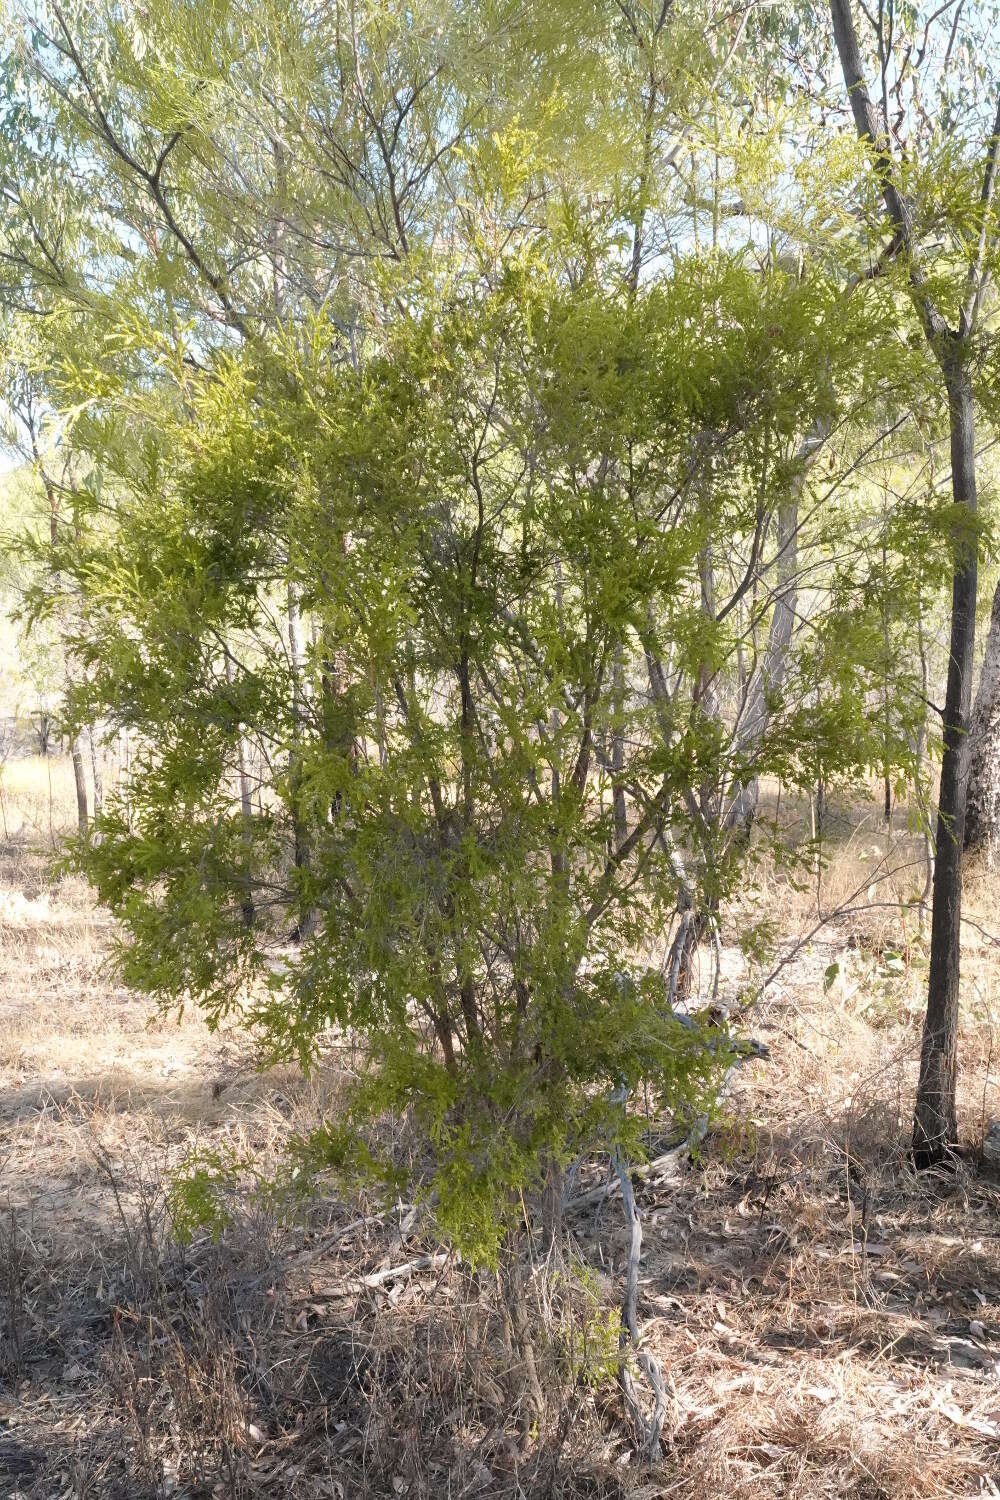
[(771, 674), (98, 774), (618, 749), (300, 833), (246, 804), (982, 818), (886, 690), (768, 679), (125, 775), (935, 1125), (79, 775)]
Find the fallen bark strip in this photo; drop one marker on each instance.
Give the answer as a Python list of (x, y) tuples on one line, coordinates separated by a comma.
[(347, 1286), (639, 1173), (395, 1273)]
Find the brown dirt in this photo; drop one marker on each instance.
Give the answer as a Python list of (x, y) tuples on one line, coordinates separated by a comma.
[(830, 1322)]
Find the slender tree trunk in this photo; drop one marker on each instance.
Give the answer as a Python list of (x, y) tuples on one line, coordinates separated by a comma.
[(246, 806), (886, 694), (982, 818), (125, 775), (771, 674), (76, 751), (521, 1326), (79, 776), (935, 1125), (296, 654), (302, 847), (97, 773), (935, 1121), (618, 748), (921, 748), (650, 1429)]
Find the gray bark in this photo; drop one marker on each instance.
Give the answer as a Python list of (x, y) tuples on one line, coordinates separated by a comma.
[(982, 817), (935, 1121), (770, 676), (935, 1125), (246, 802), (97, 772), (296, 659), (650, 1428), (618, 750), (79, 776)]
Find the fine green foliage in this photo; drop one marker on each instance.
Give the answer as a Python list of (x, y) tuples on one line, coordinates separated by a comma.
[(489, 451), (515, 490)]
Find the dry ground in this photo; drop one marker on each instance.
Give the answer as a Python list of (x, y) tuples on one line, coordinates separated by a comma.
[(830, 1323)]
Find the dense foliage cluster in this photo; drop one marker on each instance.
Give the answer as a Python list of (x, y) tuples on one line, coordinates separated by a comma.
[(474, 454)]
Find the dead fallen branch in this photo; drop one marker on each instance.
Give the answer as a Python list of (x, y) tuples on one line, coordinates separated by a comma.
[(638, 1173), (408, 1268)]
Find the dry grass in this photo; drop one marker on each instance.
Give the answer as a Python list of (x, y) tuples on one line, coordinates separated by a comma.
[(830, 1323), (37, 798)]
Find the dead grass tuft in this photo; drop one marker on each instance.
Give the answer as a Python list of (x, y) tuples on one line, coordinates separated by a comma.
[(830, 1323)]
